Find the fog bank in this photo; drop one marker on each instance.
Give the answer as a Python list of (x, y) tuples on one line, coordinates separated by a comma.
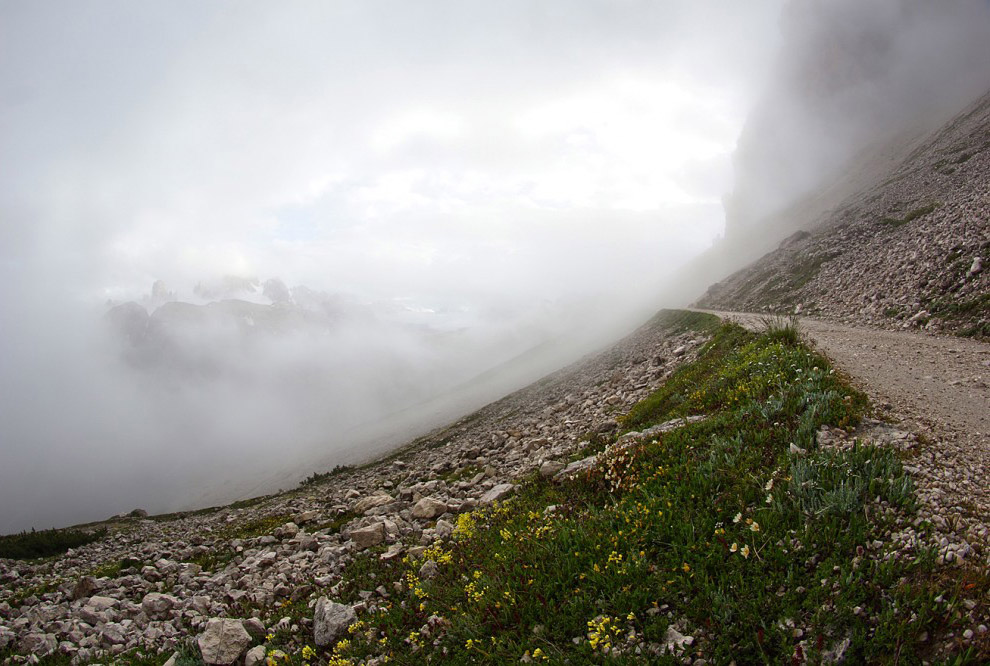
[(849, 76), (438, 188)]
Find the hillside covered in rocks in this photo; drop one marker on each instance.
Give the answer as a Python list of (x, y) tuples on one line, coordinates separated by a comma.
[(627, 493), (155, 580), (907, 252)]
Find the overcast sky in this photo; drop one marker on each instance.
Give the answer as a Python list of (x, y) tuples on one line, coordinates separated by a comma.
[(442, 151), (480, 157)]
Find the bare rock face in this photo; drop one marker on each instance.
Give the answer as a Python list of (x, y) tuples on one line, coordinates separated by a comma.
[(224, 641), (331, 620)]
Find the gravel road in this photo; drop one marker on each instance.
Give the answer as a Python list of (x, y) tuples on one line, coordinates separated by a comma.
[(938, 387)]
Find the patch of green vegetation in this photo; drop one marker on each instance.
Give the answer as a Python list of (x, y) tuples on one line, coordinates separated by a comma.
[(319, 477), (179, 515), (979, 331), (803, 272), (460, 474), (978, 305), (893, 311), (910, 217), (972, 315), (252, 501), (714, 530), (677, 397), (781, 329), (46, 543), (676, 322), (336, 524), (214, 560), (256, 527), (113, 569), (18, 598)]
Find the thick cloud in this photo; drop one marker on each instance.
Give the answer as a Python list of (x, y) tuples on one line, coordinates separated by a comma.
[(480, 177), (852, 74)]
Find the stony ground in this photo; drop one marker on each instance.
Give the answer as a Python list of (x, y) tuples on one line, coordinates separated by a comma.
[(910, 252), (155, 581), (938, 388)]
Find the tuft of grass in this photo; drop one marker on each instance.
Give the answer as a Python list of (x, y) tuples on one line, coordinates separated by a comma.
[(781, 329)]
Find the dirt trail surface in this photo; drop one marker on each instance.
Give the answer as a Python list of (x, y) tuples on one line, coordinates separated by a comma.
[(938, 385)]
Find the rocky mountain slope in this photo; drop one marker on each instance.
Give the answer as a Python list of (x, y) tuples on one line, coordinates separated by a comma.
[(155, 581), (907, 252)]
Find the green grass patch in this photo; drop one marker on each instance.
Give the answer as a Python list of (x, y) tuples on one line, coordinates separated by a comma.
[(893, 311), (460, 474), (675, 322), (970, 315), (46, 543), (804, 271), (214, 560), (335, 524), (713, 530), (114, 568), (910, 217), (256, 527), (320, 477)]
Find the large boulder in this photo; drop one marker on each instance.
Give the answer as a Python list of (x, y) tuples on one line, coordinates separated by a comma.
[(255, 656), (84, 587), (371, 502), (38, 644), (366, 537), (331, 620), (429, 508), (102, 603), (223, 642), (497, 493), (157, 605)]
